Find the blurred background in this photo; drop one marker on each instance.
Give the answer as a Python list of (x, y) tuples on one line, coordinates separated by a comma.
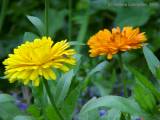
[(77, 20)]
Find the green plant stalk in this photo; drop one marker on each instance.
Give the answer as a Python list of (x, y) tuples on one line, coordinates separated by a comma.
[(122, 76), (85, 84), (46, 17), (38, 99), (83, 30), (52, 99), (70, 20), (3, 12), (45, 81)]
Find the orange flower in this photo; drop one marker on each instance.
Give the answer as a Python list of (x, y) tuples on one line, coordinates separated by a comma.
[(109, 43)]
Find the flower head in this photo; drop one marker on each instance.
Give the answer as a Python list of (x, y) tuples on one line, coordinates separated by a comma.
[(36, 59), (109, 43)]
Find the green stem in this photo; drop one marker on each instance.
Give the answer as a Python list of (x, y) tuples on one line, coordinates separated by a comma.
[(70, 20), (46, 16), (52, 99), (45, 81), (3, 12), (83, 30), (122, 76)]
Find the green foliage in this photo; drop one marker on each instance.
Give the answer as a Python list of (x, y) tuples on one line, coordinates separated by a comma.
[(91, 115), (9, 110), (37, 23), (132, 17), (34, 111), (63, 87), (70, 103), (28, 36), (106, 87), (129, 15), (146, 95), (148, 85), (96, 69), (50, 113), (87, 18), (6, 98), (152, 60), (148, 102), (116, 102), (23, 118), (113, 114), (56, 20)]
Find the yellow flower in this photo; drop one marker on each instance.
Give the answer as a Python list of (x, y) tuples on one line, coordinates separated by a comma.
[(109, 43), (36, 59)]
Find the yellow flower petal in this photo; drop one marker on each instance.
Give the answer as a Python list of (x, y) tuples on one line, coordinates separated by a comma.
[(32, 60)]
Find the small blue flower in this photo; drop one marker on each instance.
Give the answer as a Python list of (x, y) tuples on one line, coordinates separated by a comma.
[(121, 93), (138, 119), (102, 113), (23, 106)]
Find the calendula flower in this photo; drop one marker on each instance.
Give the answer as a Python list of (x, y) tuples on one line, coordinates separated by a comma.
[(36, 59), (109, 43)]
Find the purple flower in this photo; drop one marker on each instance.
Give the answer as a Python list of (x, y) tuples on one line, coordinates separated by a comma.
[(121, 93), (102, 113), (138, 119), (21, 106)]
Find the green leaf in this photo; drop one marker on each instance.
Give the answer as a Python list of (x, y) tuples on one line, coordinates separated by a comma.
[(105, 86), (78, 60), (70, 102), (33, 110), (130, 16), (116, 102), (7, 106), (23, 118), (63, 86), (51, 113), (28, 36), (98, 68), (56, 20), (140, 92), (158, 74), (91, 115), (40, 96), (8, 110), (152, 60), (113, 114), (144, 81), (6, 98), (99, 4), (83, 5), (37, 23)]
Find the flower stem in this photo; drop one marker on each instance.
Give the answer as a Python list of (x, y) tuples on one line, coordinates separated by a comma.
[(46, 16), (70, 20), (122, 76), (45, 81), (83, 30), (52, 99)]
